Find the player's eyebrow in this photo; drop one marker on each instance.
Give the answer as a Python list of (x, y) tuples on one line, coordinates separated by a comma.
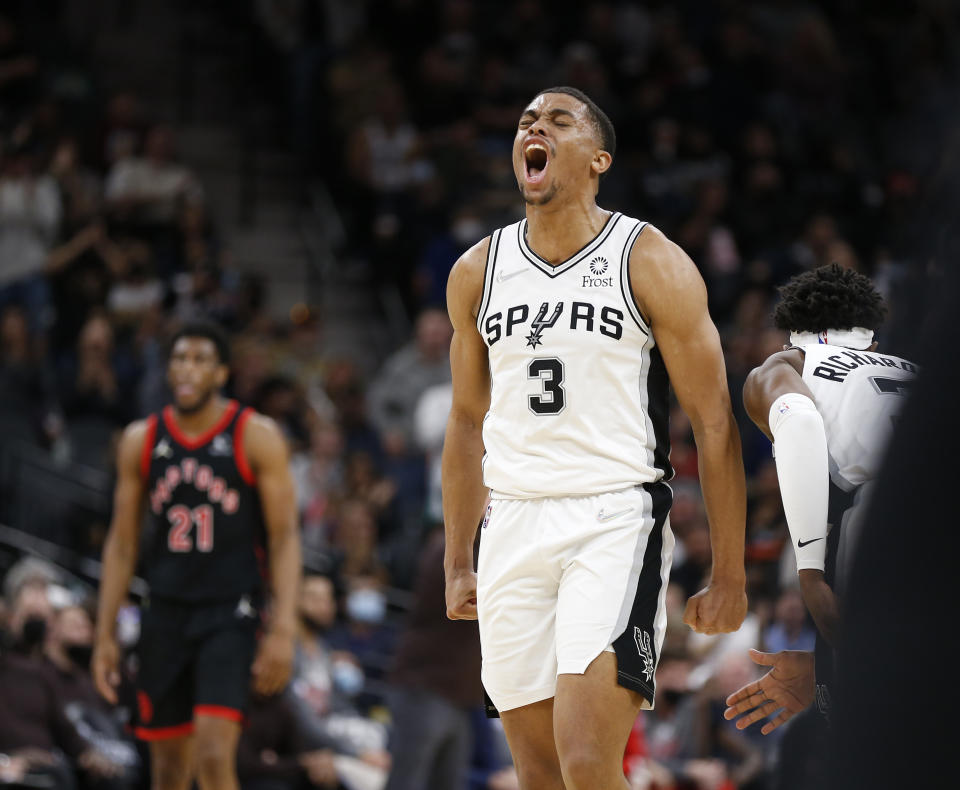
[(531, 113)]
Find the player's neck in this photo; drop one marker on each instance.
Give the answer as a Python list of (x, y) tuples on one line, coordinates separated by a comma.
[(556, 231), (202, 420)]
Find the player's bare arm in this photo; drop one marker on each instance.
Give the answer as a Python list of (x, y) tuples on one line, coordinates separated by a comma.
[(464, 494), (119, 557), (803, 470), (269, 459), (671, 294)]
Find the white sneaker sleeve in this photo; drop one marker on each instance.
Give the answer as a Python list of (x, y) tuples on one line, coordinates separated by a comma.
[(800, 450)]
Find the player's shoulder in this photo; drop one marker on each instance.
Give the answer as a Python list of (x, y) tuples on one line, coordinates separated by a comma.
[(259, 428), (465, 283), (793, 357), (135, 434), (662, 261)]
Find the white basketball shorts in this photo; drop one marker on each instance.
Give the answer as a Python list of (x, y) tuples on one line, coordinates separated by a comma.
[(560, 580)]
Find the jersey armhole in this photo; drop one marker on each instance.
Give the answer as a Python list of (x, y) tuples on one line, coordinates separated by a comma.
[(239, 453), (148, 441), (488, 269), (626, 286)]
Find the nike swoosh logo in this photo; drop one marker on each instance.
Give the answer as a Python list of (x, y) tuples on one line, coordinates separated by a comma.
[(601, 516), (802, 543), (501, 277)]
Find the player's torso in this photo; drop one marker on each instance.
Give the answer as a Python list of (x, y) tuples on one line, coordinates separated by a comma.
[(859, 394), (207, 537), (578, 389)]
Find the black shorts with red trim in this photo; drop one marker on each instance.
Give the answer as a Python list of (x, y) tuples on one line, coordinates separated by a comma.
[(193, 660)]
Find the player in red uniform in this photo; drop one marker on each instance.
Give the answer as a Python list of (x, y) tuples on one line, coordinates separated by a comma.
[(215, 480)]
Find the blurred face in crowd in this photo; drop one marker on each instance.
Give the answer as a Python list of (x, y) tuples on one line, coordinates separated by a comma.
[(30, 615), (556, 149), (73, 634), (195, 373), (318, 605), (790, 610), (96, 338), (433, 334)]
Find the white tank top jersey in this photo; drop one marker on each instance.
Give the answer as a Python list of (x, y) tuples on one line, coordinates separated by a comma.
[(578, 400), (859, 395)]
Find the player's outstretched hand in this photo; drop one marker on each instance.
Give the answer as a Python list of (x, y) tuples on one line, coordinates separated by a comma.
[(719, 608), (105, 667), (273, 664), (462, 595), (787, 688)]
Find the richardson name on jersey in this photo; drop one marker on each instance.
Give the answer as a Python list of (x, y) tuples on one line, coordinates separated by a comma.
[(190, 472), (837, 367), (582, 316)]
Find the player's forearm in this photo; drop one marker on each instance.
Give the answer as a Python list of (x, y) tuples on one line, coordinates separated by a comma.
[(821, 602), (285, 565), (724, 495), (119, 561), (463, 491)]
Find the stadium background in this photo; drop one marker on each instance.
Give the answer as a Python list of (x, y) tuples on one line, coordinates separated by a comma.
[(306, 171)]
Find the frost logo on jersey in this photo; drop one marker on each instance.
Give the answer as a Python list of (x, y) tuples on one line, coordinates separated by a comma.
[(163, 449), (598, 265), (539, 324), (642, 638), (221, 445)]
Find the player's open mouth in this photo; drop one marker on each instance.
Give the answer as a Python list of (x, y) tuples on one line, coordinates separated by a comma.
[(536, 158)]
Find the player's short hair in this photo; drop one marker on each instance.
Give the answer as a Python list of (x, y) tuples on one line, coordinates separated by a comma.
[(207, 330), (602, 123), (829, 297)]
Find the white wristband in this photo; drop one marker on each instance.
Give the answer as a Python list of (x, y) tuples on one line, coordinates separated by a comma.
[(800, 450)]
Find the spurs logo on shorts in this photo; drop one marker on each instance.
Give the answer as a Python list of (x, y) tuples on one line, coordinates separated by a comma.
[(642, 638)]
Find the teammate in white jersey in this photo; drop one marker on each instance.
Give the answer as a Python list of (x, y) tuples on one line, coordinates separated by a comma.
[(828, 401), (566, 326)]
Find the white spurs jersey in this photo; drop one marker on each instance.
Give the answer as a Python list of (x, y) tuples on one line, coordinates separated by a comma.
[(858, 394), (578, 400)]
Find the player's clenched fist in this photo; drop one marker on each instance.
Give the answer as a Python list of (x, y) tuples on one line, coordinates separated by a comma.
[(717, 609), (462, 595)]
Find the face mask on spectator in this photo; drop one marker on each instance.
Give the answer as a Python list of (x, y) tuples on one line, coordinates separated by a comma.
[(347, 677), (79, 654), (366, 606), (34, 632)]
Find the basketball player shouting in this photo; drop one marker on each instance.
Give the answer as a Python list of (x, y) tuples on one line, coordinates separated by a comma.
[(828, 403), (567, 325), (216, 481)]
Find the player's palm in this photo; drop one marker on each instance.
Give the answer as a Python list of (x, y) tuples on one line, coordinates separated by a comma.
[(787, 688), (462, 595)]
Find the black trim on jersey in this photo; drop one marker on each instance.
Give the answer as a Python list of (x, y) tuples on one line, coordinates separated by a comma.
[(658, 410), (489, 268), (626, 289), (553, 271), (643, 614)]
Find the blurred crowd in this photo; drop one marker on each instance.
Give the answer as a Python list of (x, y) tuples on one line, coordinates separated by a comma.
[(764, 137)]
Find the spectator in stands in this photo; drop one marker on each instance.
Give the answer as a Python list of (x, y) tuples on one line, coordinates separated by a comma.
[(68, 651), (30, 616), (406, 375), (790, 629), (30, 213), (96, 398), (25, 399), (318, 473), (435, 676), (148, 191)]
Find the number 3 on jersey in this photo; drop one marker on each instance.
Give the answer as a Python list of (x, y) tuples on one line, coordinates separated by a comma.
[(181, 521), (552, 398)]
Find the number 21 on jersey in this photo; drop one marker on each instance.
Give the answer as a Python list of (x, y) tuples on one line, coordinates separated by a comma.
[(182, 520)]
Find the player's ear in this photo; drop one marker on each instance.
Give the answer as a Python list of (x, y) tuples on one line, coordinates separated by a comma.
[(223, 373), (601, 162), (873, 346)]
